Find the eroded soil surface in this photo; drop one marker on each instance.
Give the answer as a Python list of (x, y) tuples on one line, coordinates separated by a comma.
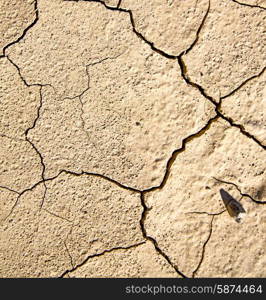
[(120, 124)]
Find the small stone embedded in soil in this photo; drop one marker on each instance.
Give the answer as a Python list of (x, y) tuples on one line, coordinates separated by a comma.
[(234, 208), (239, 248), (221, 152)]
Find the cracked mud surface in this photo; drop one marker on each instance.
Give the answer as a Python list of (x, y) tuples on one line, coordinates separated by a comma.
[(120, 124)]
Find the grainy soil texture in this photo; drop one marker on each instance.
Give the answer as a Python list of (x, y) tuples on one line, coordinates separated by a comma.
[(133, 138)]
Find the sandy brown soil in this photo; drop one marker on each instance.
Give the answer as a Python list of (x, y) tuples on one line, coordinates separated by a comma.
[(120, 124)]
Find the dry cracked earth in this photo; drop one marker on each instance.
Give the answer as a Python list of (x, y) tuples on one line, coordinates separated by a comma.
[(120, 124)]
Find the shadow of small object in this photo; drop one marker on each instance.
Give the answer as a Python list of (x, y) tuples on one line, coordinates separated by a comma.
[(234, 207)]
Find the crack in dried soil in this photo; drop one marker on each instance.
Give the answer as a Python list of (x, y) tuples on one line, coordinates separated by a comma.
[(34, 121), (119, 3), (155, 243), (174, 154), (179, 150), (9, 189), (44, 180), (243, 83), (128, 11), (143, 216), (87, 72), (239, 190), (56, 215), (79, 96), (25, 30), (249, 5), (181, 63), (218, 104), (97, 255), (203, 249)]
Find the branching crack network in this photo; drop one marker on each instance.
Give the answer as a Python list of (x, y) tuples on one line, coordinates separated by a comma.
[(186, 140)]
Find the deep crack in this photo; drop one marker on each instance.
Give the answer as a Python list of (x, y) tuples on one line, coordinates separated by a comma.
[(119, 3), (248, 5), (217, 104), (179, 150), (147, 237), (242, 130), (24, 31), (185, 76), (140, 35), (34, 121)]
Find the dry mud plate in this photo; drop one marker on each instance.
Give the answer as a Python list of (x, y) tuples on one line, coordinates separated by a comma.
[(132, 138)]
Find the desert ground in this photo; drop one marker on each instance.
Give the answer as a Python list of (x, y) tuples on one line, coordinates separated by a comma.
[(133, 138)]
